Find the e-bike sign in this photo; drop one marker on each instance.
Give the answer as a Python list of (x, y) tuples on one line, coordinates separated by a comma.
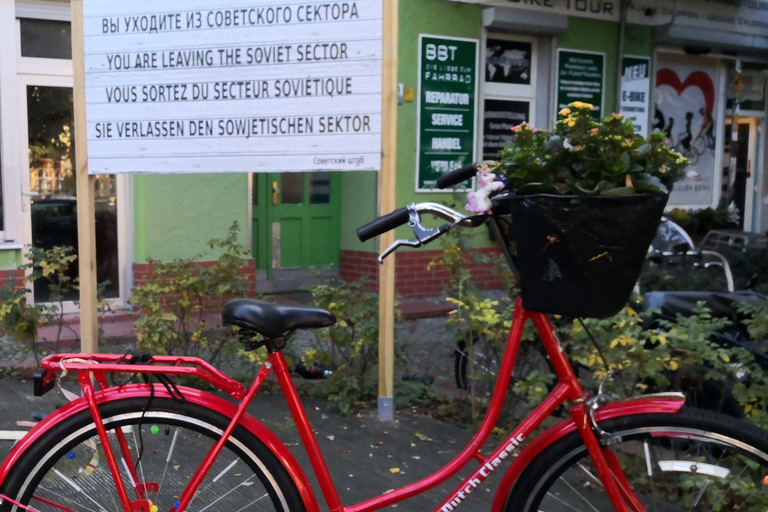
[(237, 85)]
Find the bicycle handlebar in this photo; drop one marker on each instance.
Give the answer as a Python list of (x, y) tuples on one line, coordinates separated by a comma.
[(383, 224), (457, 176)]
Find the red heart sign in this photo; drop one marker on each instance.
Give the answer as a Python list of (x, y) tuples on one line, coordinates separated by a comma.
[(697, 79)]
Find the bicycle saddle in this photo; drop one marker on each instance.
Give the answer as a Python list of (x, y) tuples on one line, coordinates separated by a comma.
[(272, 320)]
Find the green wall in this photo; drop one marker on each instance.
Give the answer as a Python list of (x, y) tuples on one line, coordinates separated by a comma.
[(10, 260), (177, 214), (434, 17)]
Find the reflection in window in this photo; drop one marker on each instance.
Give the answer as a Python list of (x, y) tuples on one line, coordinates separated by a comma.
[(52, 176), (320, 188), (292, 188), (48, 39)]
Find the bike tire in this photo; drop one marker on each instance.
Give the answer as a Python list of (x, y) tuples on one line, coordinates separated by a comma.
[(64, 466), (698, 460)]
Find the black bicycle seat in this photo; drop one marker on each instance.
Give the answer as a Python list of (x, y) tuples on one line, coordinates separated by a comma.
[(272, 320)]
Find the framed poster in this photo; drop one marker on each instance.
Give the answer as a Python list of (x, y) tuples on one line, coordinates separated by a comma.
[(232, 86), (508, 62), (499, 116), (580, 77), (447, 107), (685, 109)]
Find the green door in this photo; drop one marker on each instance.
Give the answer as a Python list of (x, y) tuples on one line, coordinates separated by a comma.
[(296, 219)]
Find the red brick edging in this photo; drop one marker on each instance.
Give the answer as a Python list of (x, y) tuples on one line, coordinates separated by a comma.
[(412, 279)]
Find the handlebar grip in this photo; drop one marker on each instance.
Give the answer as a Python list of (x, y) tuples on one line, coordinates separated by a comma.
[(457, 176), (383, 224)]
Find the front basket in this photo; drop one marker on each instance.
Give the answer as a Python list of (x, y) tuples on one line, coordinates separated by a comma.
[(581, 256)]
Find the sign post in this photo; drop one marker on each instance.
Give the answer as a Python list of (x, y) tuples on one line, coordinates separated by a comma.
[(447, 107), (387, 204), (86, 216)]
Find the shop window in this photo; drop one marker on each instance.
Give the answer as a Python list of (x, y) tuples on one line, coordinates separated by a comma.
[(48, 39), (508, 89)]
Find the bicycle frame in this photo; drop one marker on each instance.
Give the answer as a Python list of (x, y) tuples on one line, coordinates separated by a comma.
[(567, 390)]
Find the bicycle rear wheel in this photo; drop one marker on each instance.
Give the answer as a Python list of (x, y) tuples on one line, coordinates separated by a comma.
[(691, 461), (66, 470)]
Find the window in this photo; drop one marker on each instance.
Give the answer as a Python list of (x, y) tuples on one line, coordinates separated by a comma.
[(48, 39), (508, 89)]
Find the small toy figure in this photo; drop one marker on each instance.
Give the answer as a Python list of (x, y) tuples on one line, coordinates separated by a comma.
[(479, 200)]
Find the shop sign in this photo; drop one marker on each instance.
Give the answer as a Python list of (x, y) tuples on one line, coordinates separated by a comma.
[(580, 77), (685, 110), (499, 116), (447, 107), (741, 17), (232, 86), (635, 91)]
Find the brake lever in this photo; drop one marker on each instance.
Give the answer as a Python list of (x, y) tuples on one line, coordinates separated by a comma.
[(423, 235)]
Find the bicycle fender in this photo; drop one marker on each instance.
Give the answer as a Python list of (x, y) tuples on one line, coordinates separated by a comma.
[(194, 396), (662, 404)]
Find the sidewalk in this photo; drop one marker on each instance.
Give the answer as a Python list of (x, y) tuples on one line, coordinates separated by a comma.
[(360, 451)]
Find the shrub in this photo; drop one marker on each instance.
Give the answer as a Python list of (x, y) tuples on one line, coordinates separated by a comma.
[(350, 347), (19, 320), (179, 298)]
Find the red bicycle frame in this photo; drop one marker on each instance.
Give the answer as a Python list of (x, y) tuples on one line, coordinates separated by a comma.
[(568, 389)]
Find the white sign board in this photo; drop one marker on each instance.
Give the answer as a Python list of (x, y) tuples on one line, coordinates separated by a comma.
[(636, 91), (245, 86)]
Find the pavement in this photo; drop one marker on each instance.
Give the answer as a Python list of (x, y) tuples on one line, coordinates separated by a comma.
[(366, 456)]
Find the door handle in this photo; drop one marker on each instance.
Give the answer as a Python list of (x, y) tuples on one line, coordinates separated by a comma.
[(275, 190), (29, 193)]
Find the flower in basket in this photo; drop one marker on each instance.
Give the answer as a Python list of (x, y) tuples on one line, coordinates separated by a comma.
[(584, 157)]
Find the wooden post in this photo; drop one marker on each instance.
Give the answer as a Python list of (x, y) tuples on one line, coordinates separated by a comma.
[(387, 199), (86, 218)]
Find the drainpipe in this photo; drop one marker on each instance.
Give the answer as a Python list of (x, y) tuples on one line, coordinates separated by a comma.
[(623, 8)]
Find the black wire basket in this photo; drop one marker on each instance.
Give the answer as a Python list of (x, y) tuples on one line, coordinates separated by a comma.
[(580, 256)]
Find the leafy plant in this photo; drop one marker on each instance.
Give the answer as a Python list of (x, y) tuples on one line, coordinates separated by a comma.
[(178, 301), (350, 346), (480, 327), (584, 157), (20, 320)]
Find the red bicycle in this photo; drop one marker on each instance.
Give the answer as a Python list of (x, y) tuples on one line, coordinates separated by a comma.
[(153, 445)]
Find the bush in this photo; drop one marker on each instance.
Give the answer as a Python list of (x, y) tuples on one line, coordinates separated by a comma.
[(179, 298), (19, 320), (350, 347)]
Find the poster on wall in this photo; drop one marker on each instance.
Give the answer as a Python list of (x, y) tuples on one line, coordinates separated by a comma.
[(232, 86), (635, 91), (508, 62), (499, 116), (685, 109), (580, 77), (447, 107)]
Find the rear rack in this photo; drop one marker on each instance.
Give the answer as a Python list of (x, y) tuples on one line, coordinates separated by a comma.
[(116, 363)]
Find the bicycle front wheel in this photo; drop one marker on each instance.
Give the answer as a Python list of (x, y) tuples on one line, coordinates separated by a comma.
[(691, 461), (167, 440)]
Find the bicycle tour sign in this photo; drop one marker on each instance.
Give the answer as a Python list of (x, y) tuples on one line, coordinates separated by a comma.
[(447, 107), (242, 86)]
